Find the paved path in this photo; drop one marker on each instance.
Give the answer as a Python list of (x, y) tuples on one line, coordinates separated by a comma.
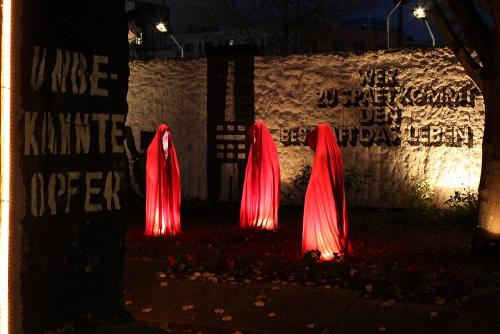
[(186, 306)]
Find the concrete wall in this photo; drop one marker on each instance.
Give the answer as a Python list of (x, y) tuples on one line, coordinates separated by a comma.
[(175, 93), (402, 118)]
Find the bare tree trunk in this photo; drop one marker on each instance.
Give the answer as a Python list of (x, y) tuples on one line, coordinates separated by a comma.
[(489, 187)]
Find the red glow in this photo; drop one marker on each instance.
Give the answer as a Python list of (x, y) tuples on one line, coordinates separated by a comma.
[(261, 191), (325, 214), (163, 187)]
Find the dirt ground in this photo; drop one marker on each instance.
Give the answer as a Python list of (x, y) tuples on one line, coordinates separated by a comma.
[(401, 255)]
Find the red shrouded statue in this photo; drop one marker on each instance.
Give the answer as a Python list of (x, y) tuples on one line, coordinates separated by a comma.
[(163, 186), (325, 214), (261, 192)]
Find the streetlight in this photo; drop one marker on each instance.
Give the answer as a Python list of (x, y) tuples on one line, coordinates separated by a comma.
[(420, 14), (163, 28), (388, 23)]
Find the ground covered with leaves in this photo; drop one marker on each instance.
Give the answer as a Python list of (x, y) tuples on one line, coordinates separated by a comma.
[(405, 255)]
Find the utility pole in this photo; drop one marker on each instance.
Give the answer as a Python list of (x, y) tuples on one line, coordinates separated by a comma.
[(401, 36)]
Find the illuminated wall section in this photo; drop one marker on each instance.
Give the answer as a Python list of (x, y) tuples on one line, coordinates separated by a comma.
[(402, 118)]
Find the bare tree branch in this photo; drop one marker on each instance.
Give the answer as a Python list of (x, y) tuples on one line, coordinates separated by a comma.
[(487, 4), (457, 47), (240, 18), (477, 33)]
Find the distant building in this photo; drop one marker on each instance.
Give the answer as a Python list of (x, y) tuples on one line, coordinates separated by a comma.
[(366, 33), (194, 26)]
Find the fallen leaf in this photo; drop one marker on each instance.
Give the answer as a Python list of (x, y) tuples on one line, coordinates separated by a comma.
[(128, 302), (382, 329), (259, 303), (147, 309), (188, 307), (310, 326), (271, 315), (163, 284), (227, 318), (439, 301), (388, 302), (219, 310)]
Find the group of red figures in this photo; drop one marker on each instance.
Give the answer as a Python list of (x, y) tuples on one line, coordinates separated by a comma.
[(325, 226)]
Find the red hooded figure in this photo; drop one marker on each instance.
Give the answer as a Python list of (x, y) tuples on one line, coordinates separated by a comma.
[(261, 192), (325, 213), (163, 186)]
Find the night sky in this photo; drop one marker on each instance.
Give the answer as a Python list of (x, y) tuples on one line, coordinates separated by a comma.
[(412, 26)]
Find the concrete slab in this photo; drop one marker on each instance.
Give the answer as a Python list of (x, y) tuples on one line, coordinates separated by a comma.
[(186, 306), (134, 328), (284, 308), (480, 314), (373, 316)]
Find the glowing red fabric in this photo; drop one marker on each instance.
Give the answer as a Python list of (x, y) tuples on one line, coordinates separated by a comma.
[(261, 191), (325, 215), (163, 187)]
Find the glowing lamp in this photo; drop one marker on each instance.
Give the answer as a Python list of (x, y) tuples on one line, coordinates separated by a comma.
[(327, 256), (419, 13), (162, 27)]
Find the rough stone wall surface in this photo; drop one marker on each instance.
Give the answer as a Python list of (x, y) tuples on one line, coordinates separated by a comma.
[(403, 119), (437, 138), (175, 93)]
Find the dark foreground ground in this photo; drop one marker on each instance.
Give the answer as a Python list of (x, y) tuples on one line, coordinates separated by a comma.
[(411, 272)]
